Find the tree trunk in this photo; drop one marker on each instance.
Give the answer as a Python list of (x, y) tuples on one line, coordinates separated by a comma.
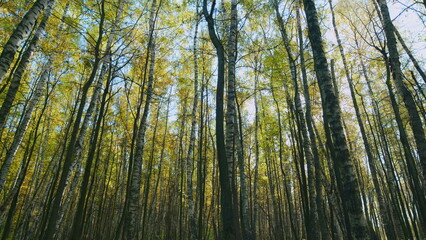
[(384, 216), (349, 190), (78, 221), (190, 157), (136, 174), (227, 208), (7, 104), (54, 211), (21, 30), (410, 55), (414, 118), (231, 111), (413, 175), (309, 122), (255, 224), (311, 226), (244, 208), (22, 66)]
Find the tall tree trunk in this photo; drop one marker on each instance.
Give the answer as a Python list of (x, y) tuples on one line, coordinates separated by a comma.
[(147, 181), (284, 170), (13, 89), (54, 211), (311, 226), (136, 174), (15, 192), (413, 174), (349, 190), (201, 174), (371, 160), (414, 117), (389, 172), (227, 208), (309, 122), (22, 127), (245, 221), (22, 66), (231, 111), (255, 224), (190, 157), (78, 221)]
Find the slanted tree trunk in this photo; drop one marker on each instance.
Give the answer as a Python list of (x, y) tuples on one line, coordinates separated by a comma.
[(410, 55), (78, 222), (409, 103), (413, 174), (309, 122), (54, 211), (384, 216), (22, 66), (28, 152), (136, 126), (11, 93), (347, 181), (78, 218), (21, 30), (311, 222)]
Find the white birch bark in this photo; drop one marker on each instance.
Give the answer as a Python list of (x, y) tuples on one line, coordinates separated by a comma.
[(19, 33), (22, 127), (190, 157), (136, 175), (22, 66)]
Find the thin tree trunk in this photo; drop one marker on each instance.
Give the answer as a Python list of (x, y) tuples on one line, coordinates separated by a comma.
[(17, 188), (255, 224), (136, 174), (145, 221), (245, 221), (190, 157), (311, 226), (27, 156), (78, 222), (78, 218), (410, 55), (413, 175), (284, 171), (22, 127), (54, 211), (389, 173), (201, 173)]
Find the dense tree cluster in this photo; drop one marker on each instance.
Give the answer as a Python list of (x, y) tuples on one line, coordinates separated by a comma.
[(212, 119)]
